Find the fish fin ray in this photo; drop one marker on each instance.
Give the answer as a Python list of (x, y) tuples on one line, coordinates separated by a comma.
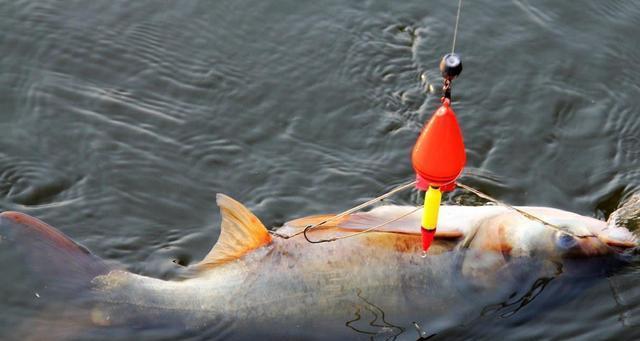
[(240, 232), (365, 220), (301, 223), (297, 225), (407, 225), (49, 253)]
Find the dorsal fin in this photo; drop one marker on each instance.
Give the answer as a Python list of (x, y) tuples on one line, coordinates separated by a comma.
[(240, 232)]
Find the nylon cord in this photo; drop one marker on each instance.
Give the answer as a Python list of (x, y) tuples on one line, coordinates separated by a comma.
[(411, 184), (524, 213), (360, 232), (455, 30), (401, 188), (349, 211)]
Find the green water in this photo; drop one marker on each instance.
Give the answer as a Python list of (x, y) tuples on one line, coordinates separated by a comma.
[(120, 120)]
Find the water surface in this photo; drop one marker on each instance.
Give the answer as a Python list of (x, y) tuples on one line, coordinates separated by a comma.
[(120, 120)]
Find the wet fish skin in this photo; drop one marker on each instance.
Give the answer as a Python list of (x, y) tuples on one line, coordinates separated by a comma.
[(289, 282)]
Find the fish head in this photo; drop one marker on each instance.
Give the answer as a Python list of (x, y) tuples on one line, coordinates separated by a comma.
[(510, 246), (556, 234)]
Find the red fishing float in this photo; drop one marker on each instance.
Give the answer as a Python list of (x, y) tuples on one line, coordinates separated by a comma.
[(438, 156)]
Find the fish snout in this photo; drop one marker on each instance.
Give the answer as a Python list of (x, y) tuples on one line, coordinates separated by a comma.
[(618, 238), (585, 246)]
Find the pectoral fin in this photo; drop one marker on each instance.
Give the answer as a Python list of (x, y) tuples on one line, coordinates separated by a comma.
[(409, 224), (241, 232)]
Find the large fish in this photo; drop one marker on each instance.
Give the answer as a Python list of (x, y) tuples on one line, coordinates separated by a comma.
[(255, 283)]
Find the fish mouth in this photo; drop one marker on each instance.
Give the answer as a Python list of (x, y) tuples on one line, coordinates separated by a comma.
[(595, 245), (617, 244)]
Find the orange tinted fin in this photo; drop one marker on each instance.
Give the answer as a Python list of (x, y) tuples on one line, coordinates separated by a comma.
[(407, 225), (362, 221), (313, 220), (240, 232)]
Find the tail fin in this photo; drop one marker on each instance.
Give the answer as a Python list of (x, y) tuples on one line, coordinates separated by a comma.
[(48, 253)]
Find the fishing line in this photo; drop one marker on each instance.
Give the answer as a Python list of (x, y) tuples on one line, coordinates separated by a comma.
[(304, 232), (412, 183), (524, 213), (351, 210), (366, 204), (402, 188), (455, 30)]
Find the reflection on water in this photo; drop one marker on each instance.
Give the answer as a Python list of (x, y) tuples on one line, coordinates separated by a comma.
[(121, 120), (509, 308), (375, 326)]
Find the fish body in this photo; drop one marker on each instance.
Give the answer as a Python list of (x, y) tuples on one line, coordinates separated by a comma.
[(255, 282)]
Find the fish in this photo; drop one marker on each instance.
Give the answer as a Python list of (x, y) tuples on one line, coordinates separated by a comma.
[(260, 283)]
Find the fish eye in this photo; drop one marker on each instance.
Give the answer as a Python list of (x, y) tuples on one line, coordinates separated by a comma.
[(565, 241)]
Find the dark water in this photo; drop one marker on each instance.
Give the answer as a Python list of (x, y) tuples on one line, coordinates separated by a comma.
[(120, 120)]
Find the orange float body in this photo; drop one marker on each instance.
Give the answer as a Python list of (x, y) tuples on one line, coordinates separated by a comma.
[(438, 158)]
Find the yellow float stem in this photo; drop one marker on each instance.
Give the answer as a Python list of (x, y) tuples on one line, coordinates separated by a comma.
[(432, 199)]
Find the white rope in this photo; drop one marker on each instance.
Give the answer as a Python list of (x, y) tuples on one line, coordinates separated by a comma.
[(455, 30), (351, 210)]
